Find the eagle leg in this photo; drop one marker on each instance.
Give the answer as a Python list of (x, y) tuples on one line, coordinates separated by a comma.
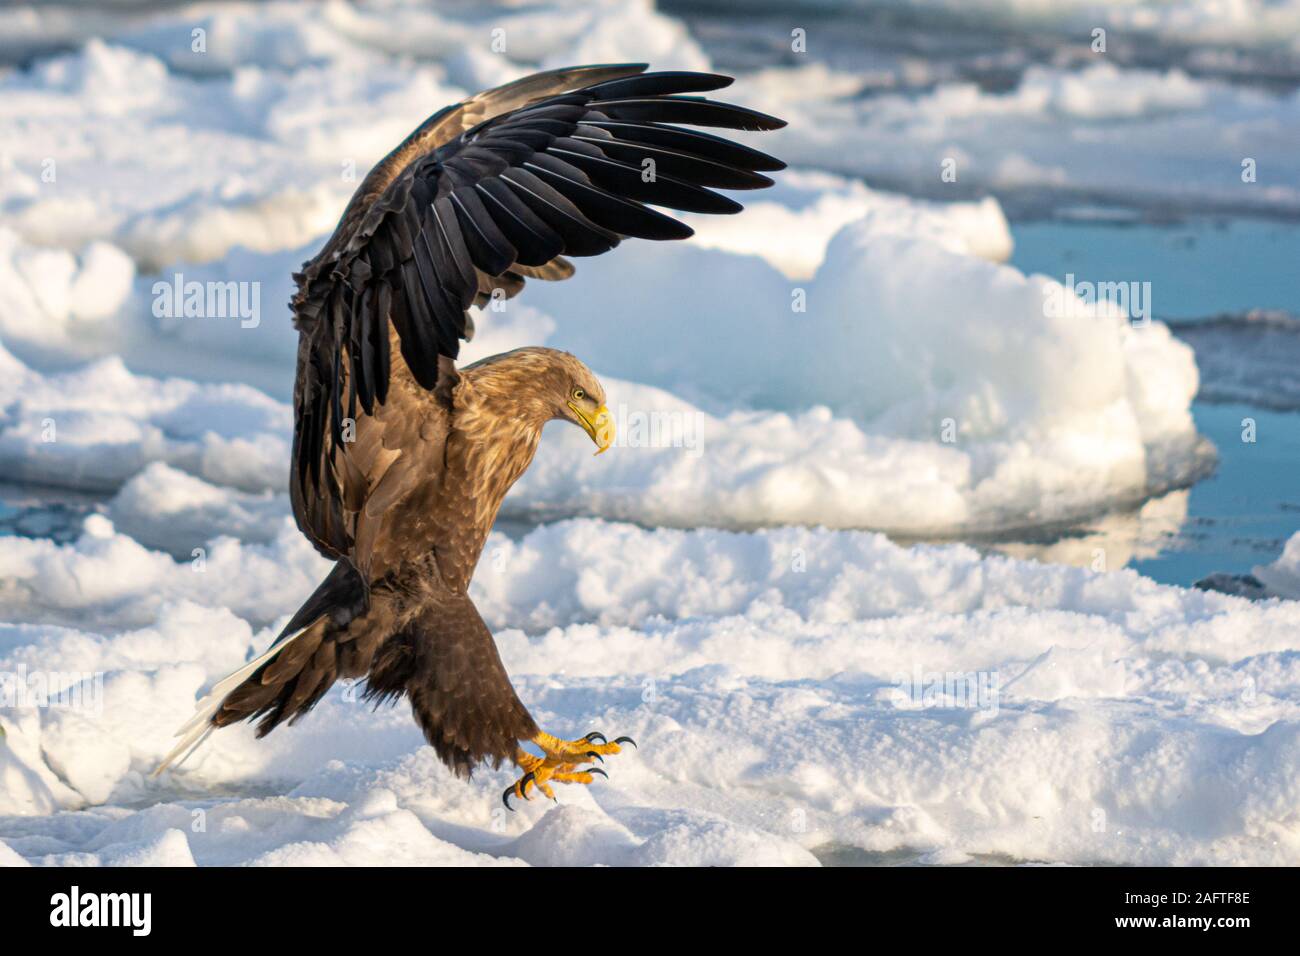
[(561, 762)]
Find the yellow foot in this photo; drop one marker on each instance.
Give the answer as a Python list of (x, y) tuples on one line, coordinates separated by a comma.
[(561, 763)]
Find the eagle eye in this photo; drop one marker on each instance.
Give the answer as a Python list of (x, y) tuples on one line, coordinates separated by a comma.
[(579, 394)]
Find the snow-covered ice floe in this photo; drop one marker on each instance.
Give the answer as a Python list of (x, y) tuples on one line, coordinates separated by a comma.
[(1148, 139), (836, 356), (180, 153), (1281, 577), (795, 693), (1266, 23), (908, 385)]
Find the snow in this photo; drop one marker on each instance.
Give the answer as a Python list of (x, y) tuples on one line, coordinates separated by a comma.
[(838, 358), (946, 398), (1148, 138), (280, 104), (790, 224), (263, 163), (767, 677), (1281, 577), (1266, 23)]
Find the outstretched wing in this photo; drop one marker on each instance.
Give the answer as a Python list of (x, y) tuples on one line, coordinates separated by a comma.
[(482, 196)]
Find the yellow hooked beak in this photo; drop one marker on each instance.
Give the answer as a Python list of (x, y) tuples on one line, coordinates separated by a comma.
[(600, 426)]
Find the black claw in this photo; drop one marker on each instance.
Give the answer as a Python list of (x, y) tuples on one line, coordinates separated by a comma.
[(592, 753), (523, 784), (594, 735), (505, 797), (597, 770), (626, 740)]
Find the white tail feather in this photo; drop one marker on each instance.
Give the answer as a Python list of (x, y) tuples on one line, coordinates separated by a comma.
[(195, 730)]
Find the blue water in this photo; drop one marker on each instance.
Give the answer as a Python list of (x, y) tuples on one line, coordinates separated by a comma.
[(1196, 269), (1241, 515)]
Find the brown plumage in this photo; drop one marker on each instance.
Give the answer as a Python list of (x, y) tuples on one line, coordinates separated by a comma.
[(401, 460)]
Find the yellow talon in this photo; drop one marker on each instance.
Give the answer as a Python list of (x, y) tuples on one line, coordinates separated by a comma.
[(560, 763), (581, 776)]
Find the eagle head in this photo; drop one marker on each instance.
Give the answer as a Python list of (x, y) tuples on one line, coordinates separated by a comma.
[(577, 396)]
